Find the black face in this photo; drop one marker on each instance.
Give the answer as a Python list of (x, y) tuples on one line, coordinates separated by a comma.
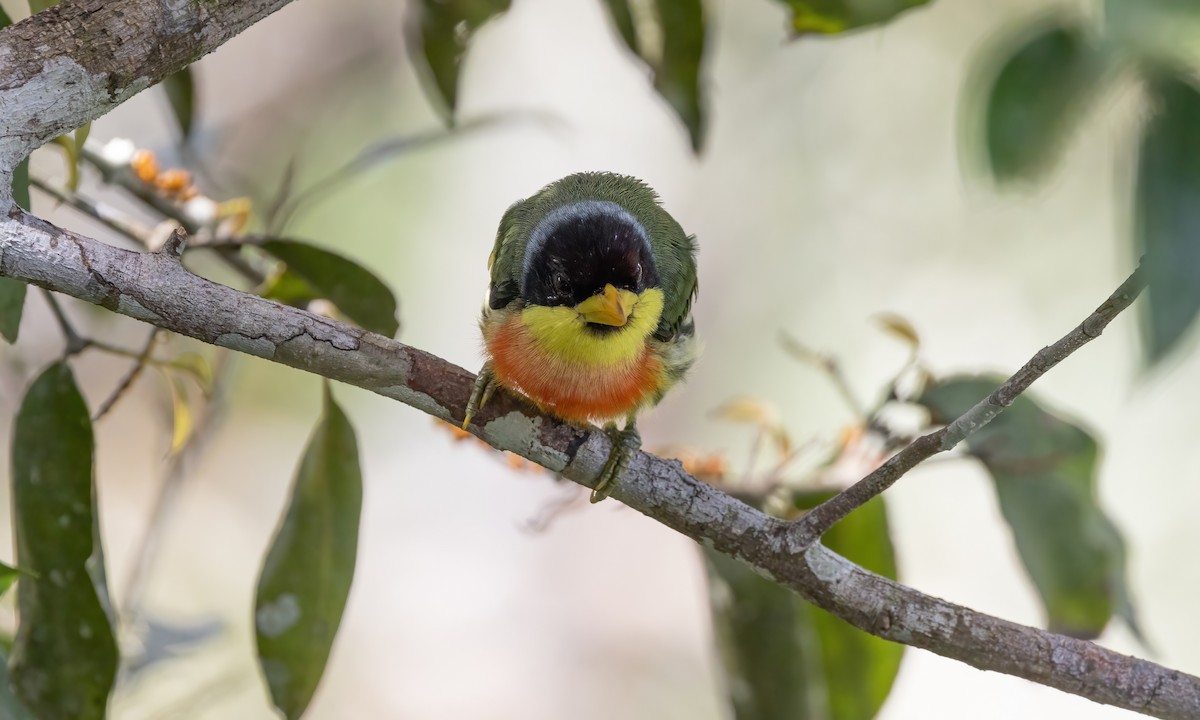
[(580, 248)]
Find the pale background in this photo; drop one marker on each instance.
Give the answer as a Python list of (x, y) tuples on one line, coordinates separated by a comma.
[(832, 188)]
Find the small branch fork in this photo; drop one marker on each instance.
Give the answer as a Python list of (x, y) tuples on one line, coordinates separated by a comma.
[(809, 528)]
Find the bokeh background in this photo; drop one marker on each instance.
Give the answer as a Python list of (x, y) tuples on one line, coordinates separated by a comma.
[(833, 187)]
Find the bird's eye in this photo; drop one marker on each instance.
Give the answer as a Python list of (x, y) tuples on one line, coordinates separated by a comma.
[(560, 284), (637, 273)]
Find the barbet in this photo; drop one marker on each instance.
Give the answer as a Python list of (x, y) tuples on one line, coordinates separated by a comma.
[(589, 309)]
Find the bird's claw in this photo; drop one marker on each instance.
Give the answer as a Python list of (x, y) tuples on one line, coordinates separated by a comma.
[(625, 444), (481, 391)]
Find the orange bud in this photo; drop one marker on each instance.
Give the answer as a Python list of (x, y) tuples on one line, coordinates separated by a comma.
[(173, 181), (144, 165)]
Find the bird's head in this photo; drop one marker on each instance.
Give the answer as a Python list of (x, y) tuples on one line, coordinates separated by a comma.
[(592, 260)]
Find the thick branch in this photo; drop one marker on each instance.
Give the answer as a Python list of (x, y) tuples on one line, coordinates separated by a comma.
[(158, 289), (807, 529), (81, 58)]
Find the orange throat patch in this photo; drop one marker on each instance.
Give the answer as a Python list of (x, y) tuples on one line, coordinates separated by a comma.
[(572, 390)]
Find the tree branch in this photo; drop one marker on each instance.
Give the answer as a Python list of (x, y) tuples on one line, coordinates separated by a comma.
[(74, 62), (156, 288), (70, 64), (807, 529)]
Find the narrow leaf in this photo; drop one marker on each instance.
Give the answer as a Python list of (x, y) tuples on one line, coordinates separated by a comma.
[(1042, 83), (670, 39), (307, 574), (1168, 216), (180, 90), (677, 76), (9, 575), (181, 413), (5, 21), (446, 29), (12, 302), (622, 18), (786, 659), (358, 293), (10, 707), (64, 659), (1044, 470), (827, 17)]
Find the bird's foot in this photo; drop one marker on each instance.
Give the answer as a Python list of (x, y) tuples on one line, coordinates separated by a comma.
[(625, 444), (485, 385)]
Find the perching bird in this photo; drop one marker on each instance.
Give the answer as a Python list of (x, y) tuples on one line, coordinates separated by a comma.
[(589, 313)]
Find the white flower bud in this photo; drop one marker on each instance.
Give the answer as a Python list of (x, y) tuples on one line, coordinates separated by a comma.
[(118, 151)]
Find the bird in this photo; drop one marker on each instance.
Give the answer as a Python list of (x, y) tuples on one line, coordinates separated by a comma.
[(589, 308)]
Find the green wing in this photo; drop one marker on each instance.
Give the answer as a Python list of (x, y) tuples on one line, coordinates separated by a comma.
[(507, 253)]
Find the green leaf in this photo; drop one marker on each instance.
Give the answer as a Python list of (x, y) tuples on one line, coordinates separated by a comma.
[(786, 659), (64, 659), (1038, 89), (10, 707), (622, 18), (355, 291), (669, 38), (308, 571), (9, 575), (5, 21), (828, 17), (36, 6), (12, 302), (1044, 471), (180, 91), (446, 28), (1168, 216), (1157, 32)]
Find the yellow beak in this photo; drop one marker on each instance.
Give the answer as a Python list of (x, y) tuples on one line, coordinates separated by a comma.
[(611, 307)]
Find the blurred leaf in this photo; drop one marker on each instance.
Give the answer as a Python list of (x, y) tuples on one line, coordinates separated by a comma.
[(1044, 471), (749, 410), (1158, 32), (21, 185), (9, 575), (72, 146), (12, 302), (36, 6), (1168, 215), (1040, 91), (355, 291), (288, 288), (622, 18), (900, 328), (5, 21), (64, 659), (197, 367), (181, 413), (180, 91), (669, 38), (786, 659), (10, 707), (828, 17), (446, 28), (307, 574)]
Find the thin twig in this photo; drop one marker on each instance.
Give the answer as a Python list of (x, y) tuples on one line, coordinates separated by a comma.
[(127, 227), (127, 382), (76, 343), (809, 528)]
